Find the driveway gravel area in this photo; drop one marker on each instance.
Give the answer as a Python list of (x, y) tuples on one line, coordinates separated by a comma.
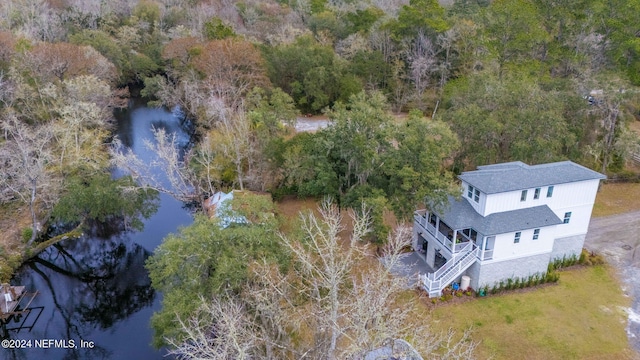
[(617, 238)]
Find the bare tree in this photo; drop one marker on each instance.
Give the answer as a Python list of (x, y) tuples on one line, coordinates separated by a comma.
[(24, 158), (35, 19), (336, 302), (446, 44), (381, 41), (338, 294), (609, 103), (610, 112), (235, 142), (204, 157), (400, 94), (80, 137), (220, 329), (421, 57), (6, 90), (369, 319), (60, 61), (90, 89), (326, 264), (390, 7), (231, 69), (179, 179), (628, 145)]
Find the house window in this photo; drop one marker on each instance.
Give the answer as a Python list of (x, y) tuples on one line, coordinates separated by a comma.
[(567, 217), (536, 234), (536, 194), (550, 191), (476, 198), (470, 192), (523, 196), (516, 239)]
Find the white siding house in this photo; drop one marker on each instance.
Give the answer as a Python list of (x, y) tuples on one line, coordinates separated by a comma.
[(512, 220)]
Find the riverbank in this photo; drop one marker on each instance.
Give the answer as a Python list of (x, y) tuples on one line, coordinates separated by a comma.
[(14, 250), (91, 281), (605, 309), (14, 219)]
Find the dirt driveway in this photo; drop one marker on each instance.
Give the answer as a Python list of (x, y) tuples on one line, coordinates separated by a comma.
[(617, 238)]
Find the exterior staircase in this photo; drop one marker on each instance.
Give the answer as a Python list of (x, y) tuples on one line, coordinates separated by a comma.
[(434, 282)]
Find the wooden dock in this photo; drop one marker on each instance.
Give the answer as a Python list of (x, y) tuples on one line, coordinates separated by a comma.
[(14, 300)]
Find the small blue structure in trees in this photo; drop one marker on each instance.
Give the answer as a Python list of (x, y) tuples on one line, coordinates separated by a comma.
[(219, 206)]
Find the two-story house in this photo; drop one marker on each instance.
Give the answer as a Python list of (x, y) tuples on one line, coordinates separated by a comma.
[(512, 220)]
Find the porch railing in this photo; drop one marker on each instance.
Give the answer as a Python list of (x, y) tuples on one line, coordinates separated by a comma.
[(420, 220), (442, 238), (487, 255), (460, 246), (432, 230)]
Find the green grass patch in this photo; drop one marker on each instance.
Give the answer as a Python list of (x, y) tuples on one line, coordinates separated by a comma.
[(580, 317), (615, 199)]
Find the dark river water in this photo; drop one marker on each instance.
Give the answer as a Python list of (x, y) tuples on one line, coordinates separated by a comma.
[(96, 289)]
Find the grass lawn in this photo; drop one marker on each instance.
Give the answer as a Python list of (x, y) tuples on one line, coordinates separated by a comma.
[(617, 199), (569, 320)]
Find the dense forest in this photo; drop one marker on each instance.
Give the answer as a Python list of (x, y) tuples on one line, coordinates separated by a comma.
[(416, 91)]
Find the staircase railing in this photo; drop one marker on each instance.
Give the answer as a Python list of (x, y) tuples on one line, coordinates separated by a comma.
[(436, 281)]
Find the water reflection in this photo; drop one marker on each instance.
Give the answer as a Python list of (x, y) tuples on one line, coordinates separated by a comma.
[(134, 133), (85, 285), (100, 274), (96, 288)]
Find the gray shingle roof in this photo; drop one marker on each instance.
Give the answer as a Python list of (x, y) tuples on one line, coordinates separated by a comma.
[(512, 176), (461, 215)]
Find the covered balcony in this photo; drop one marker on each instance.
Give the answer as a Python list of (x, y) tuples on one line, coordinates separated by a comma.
[(450, 241)]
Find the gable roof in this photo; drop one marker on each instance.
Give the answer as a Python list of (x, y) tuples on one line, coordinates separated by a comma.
[(461, 215), (511, 176)]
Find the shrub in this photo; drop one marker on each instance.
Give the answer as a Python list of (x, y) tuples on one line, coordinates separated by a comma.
[(521, 283), (583, 256), (590, 258), (26, 234), (596, 259), (552, 277), (572, 260), (536, 280), (495, 289), (509, 283), (564, 262)]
